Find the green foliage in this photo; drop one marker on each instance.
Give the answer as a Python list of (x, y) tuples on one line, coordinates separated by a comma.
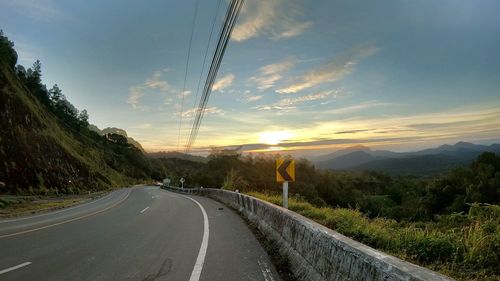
[(234, 181), (466, 246), (440, 222), (49, 142), (7, 52)]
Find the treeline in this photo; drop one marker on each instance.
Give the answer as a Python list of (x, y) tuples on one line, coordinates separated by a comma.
[(46, 146), (53, 98), (374, 193)]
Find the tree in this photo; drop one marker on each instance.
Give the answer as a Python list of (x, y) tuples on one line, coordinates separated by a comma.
[(56, 96), (35, 75), (83, 118), (21, 72), (7, 52), (34, 83), (70, 111)]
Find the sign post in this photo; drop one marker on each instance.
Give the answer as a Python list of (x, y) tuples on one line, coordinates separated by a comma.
[(182, 183), (285, 172)]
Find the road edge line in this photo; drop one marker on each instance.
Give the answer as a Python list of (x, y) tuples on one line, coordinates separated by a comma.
[(200, 260)]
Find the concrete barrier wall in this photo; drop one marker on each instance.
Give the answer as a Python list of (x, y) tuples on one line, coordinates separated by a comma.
[(316, 252)]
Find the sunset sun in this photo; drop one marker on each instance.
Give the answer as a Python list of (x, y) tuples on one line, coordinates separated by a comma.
[(274, 137)]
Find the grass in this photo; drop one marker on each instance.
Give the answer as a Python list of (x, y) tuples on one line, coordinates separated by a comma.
[(11, 206), (464, 246), (81, 160)]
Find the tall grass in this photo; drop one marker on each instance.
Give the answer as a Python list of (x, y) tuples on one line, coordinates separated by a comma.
[(464, 246)]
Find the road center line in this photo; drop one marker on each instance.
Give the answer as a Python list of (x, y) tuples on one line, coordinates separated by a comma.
[(144, 209), (15, 267), (59, 211), (198, 266), (66, 221)]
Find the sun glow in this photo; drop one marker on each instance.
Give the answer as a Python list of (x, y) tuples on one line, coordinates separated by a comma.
[(275, 137)]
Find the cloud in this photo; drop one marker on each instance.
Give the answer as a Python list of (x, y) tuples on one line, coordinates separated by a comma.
[(314, 130), (223, 82), (290, 103), (186, 93), (458, 123), (296, 29), (276, 19), (155, 82), (43, 10), (271, 73), (334, 70), (135, 95), (353, 131), (452, 125), (208, 111), (355, 108), (314, 144), (253, 98)]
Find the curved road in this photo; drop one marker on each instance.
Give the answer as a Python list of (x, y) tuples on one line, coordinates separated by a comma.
[(142, 233)]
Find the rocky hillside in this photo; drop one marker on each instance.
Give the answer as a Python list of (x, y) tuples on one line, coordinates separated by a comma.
[(45, 143)]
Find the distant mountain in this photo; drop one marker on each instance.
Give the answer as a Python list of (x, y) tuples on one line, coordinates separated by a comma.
[(178, 155), (415, 165), (345, 161), (341, 152), (427, 161), (458, 147)]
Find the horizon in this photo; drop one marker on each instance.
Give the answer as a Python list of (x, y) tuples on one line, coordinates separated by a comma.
[(313, 79), (325, 152)]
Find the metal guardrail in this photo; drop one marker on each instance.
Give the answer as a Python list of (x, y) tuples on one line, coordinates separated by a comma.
[(182, 190)]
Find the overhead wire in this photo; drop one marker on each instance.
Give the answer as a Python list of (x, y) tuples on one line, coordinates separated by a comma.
[(205, 56), (210, 76), (234, 11), (224, 36), (186, 72)]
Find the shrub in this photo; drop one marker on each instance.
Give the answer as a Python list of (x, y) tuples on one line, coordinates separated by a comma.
[(468, 241)]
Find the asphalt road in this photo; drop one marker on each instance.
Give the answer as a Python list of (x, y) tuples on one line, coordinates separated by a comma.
[(142, 233)]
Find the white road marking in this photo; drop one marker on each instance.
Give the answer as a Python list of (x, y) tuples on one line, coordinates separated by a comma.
[(55, 212), (266, 272), (144, 209), (15, 267), (198, 266), (66, 221)]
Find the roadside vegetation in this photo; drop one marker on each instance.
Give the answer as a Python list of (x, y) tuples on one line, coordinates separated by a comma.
[(14, 205), (462, 245), (449, 223)]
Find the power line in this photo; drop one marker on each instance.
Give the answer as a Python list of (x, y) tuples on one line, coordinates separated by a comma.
[(229, 23), (205, 56), (186, 72), (214, 65), (224, 36)]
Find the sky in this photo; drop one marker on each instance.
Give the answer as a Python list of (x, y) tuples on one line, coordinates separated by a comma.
[(307, 77)]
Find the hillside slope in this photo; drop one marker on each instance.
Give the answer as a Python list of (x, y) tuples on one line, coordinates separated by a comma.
[(177, 155), (40, 153)]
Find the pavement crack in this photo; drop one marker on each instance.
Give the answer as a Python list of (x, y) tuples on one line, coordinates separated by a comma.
[(164, 269)]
